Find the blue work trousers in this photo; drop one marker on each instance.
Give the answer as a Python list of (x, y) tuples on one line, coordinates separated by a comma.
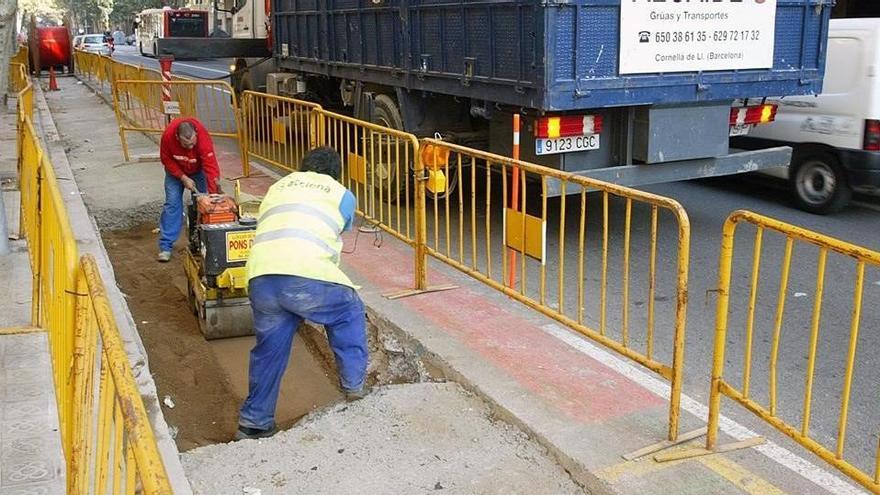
[(172, 211), (280, 303)]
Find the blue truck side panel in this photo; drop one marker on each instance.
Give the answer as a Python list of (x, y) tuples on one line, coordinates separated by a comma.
[(548, 55)]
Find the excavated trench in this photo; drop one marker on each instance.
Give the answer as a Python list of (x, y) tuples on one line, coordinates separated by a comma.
[(206, 381)]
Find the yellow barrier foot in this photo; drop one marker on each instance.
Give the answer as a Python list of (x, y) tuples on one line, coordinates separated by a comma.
[(415, 292), (691, 453), (20, 330), (665, 444)]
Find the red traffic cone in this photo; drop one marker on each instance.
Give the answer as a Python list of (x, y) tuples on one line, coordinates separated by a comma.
[(53, 84)]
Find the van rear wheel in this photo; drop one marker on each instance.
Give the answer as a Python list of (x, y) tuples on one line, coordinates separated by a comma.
[(819, 182)]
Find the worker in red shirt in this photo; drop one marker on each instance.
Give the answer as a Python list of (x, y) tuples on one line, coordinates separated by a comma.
[(187, 153)]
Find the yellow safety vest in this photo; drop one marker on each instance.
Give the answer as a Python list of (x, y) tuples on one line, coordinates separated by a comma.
[(298, 230)]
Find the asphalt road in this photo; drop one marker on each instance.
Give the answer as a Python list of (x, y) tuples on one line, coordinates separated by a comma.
[(708, 203), (194, 69)]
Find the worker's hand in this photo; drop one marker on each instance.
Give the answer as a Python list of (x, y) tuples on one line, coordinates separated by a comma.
[(219, 189), (188, 183)]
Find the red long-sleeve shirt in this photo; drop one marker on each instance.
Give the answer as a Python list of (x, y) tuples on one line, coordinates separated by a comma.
[(179, 161)]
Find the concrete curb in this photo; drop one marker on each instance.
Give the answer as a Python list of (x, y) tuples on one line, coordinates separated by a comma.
[(89, 242)]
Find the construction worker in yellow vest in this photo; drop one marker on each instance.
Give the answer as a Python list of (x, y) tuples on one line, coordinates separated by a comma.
[(294, 275)]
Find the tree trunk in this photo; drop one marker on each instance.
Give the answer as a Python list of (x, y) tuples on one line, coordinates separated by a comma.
[(8, 45)]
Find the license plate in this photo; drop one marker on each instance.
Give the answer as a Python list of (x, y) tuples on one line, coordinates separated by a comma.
[(740, 129), (566, 144)]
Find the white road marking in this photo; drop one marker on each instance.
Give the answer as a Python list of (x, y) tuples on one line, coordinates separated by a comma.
[(775, 452), (224, 72)]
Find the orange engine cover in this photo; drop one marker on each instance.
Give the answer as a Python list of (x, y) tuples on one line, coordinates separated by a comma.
[(216, 208)]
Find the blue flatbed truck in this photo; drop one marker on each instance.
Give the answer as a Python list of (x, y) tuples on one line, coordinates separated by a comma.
[(630, 91)]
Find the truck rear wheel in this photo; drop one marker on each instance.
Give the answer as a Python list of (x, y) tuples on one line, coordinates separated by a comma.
[(819, 182)]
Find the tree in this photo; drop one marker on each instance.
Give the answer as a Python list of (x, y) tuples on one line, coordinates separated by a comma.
[(124, 11), (48, 10)]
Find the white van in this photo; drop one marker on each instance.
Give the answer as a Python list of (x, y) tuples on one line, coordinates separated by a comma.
[(835, 136)]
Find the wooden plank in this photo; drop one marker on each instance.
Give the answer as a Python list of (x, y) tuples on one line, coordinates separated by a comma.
[(690, 453), (415, 292), (665, 444)]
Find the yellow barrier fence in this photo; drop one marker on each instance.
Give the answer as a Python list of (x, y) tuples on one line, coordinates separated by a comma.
[(18, 77), (277, 130), (68, 302), (87, 64), (113, 447), (380, 166), (30, 160), (21, 56), (379, 163), (55, 268), (800, 341), (140, 106), (557, 259), (105, 71)]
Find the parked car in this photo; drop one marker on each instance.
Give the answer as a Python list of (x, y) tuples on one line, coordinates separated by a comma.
[(836, 135), (96, 43), (129, 40)]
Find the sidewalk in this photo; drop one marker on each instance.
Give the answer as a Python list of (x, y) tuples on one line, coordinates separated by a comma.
[(31, 459), (586, 406)]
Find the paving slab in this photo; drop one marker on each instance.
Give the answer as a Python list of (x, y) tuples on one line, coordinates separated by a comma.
[(31, 459)]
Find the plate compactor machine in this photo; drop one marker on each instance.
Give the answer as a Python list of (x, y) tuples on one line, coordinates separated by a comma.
[(220, 239)]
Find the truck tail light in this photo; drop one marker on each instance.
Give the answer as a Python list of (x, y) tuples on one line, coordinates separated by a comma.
[(872, 135), (759, 114), (568, 125)]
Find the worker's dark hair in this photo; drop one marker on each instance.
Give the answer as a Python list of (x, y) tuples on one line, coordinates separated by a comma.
[(186, 130), (322, 161)]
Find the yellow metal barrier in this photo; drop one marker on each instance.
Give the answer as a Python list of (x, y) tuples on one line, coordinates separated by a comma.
[(113, 447), (859, 257), (140, 106), (278, 131), (30, 159), (532, 259), (18, 77), (56, 272), (86, 63), (106, 70), (380, 165), (21, 56)]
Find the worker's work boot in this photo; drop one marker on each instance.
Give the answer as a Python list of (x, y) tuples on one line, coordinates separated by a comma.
[(164, 256), (245, 433), (353, 395)]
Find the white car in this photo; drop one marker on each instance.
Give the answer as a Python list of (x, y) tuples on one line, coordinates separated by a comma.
[(95, 43), (836, 135)]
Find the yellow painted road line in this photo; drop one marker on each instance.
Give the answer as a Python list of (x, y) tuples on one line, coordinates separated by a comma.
[(742, 478)]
